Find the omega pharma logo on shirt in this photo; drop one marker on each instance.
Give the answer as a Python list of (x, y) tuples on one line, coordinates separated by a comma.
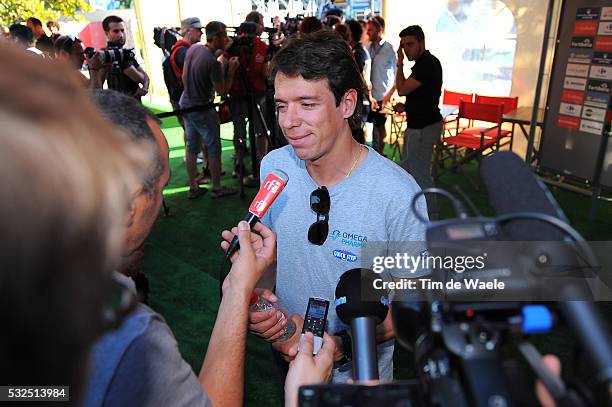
[(349, 239)]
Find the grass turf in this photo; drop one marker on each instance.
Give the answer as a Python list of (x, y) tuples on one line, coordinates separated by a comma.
[(183, 259)]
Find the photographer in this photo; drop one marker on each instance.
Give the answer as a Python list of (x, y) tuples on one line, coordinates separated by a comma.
[(123, 73), (249, 87)]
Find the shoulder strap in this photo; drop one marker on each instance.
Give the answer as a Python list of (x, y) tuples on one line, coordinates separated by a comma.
[(178, 72)]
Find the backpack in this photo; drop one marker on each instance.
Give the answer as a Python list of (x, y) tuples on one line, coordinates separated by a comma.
[(173, 75)]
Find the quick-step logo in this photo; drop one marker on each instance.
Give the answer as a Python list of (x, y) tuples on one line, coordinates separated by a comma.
[(345, 255)]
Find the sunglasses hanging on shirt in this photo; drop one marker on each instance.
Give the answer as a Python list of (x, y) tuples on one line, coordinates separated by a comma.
[(319, 203)]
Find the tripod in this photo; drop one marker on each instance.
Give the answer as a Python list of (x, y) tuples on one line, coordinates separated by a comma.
[(253, 111)]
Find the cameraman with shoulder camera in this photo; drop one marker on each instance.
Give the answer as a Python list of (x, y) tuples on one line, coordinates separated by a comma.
[(191, 31), (120, 69)]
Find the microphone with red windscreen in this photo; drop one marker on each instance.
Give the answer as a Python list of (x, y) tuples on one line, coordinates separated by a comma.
[(271, 187)]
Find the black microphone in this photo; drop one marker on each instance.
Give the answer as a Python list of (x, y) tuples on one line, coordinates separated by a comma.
[(512, 187), (361, 306), (270, 189)]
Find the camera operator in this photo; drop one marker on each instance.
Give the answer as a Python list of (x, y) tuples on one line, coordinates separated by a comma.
[(249, 86), (123, 74), (191, 31)]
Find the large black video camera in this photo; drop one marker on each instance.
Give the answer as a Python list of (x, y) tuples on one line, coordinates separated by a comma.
[(493, 282), (110, 55), (242, 41), (165, 38), (291, 25)]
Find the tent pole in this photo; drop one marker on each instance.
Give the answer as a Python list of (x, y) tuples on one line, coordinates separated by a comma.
[(538, 91), (143, 43)]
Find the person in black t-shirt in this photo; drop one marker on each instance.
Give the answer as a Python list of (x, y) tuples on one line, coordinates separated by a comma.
[(424, 122), (126, 75), (42, 42)]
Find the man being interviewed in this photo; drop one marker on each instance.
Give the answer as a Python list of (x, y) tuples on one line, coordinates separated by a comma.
[(342, 196)]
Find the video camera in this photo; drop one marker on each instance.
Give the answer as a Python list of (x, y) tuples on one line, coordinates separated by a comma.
[(165, 38), (242, 41), (110, 55), (461, 337), (291, 25)]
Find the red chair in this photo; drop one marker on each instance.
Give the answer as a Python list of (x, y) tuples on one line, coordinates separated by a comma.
[(474, 142), (453, 98), (509, 103)]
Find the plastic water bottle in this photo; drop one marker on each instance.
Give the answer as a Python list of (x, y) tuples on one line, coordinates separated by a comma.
[(258, 303)]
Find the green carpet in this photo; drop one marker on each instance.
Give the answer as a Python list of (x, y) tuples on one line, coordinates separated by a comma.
[(183, 258)]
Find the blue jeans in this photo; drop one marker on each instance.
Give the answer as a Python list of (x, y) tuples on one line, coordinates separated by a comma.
[(203, 125)]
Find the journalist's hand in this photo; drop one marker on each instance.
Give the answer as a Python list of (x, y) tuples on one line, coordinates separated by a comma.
[(308, 369), (266, 324), (250, 264), (262, 251), (339, 352), (289, 347), (554, 366)]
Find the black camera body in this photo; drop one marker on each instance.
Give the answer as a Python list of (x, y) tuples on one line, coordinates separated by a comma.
[(241, 45), (291, 25), (112, 54), (165, 38), (460, 337)]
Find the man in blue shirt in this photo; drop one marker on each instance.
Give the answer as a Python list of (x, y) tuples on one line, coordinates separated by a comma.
[(382, 79)]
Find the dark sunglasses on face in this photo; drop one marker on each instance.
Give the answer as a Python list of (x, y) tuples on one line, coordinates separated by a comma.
[(320, 203)]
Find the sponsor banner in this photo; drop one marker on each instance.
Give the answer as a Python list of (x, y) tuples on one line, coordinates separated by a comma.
[(585, 27), (572, 96), (589, 126), (568, 122), (577, 70), (580, 56), (574, 83), (593, 113), (603, 43), (588, 13), (583, 42), (601, 72), (605, 28), (606, 13), (602, 58), (596, 99), (570, 109), (598, 86)]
